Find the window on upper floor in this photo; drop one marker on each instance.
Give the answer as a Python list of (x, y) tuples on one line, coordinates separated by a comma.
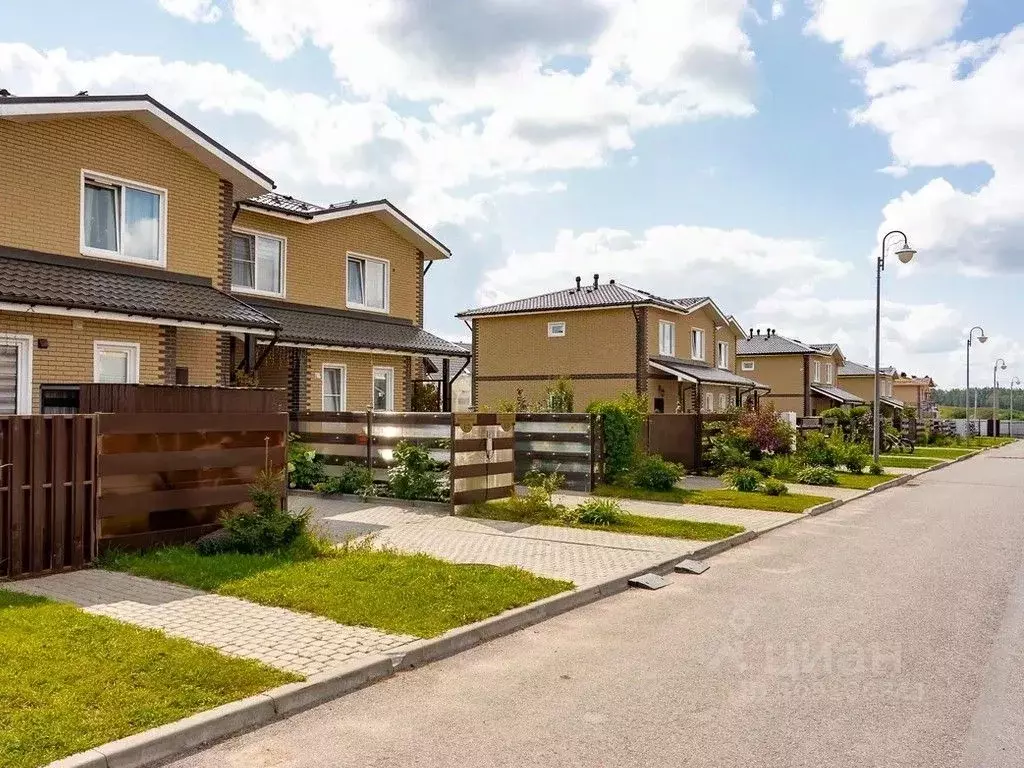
[(123, 220), (368, 283), (723, 355), (817, 371), (666, 338), (748, 365), (830, 373), (257, 263), (697, 344), (556, 330)]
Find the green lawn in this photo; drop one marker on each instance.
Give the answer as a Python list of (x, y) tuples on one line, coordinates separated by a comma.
[(991, 442), (793, 502), (402, 594), (928, 452), (71, 681), (907, 462), (636, 524), (862, 482)]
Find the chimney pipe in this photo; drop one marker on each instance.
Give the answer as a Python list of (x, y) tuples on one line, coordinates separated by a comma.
[(751, 333), (612, 281), (578, 280), (596, 278), (758, 331)]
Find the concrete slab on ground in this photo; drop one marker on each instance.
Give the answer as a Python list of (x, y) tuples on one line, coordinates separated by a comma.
[(846, 494)]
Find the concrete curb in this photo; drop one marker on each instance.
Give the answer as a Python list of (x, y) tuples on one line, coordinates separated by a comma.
[(440, 506), (203, 728)]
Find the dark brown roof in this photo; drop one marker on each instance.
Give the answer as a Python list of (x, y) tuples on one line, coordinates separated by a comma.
[(585, 297), (705, 374), (285, 203), (837, 394), (337, 328), (763, 344), (47, 280)]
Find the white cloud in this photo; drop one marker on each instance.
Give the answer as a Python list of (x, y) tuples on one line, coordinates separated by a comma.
[(778, 10), (666, 260), (199, 11), (896, 171), (897, 26), (957, 104)]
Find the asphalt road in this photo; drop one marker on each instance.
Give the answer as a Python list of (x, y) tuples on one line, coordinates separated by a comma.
[(887, 633)]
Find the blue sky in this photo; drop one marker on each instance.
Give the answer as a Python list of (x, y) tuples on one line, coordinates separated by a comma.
[(747, 149)]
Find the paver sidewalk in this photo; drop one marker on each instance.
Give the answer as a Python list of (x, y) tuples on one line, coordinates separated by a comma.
[(751, 519), (296, 642)]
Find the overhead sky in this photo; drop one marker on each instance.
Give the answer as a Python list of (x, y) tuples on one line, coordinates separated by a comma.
[(751, 150)]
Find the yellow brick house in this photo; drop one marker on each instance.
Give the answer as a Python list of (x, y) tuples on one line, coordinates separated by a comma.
[(114, 246), (608, 338), (135, 248)]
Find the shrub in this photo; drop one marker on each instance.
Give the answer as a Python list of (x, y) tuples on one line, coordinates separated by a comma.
[(817, 476), (266, 527), (725, 454), (655, 474), (782, 467), (215, 543), (855, 458), (623, 423), (550, 483), (352, 478), (818, 451), (560, 397), (414, 475), (876, 468), (305, 468), (775, 487), (745, 480), (602, 512), (766, 432)]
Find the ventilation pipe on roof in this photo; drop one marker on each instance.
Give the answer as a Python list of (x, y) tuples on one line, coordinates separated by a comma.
[(597, 277), (578, 281), (758, 331), (612, 281), (751, 333)]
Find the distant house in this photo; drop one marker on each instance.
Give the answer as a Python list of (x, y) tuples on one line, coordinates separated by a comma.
[(802, 377), (609, 338), (918, 392), (460, 377), (860, 380)]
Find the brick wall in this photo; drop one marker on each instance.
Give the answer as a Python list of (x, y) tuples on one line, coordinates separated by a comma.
[(359, 377), (315, 271), (68, 357), (41, 186), (585, 391), (197, 351)]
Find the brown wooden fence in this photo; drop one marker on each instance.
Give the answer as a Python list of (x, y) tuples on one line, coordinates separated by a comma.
[(158, 398), (47, 473), (482, 457), (570, 444), (675, 437), (168, 477)]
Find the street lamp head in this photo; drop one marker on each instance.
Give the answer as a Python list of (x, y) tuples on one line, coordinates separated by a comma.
[(1004, 366), (906, 254), (983, 339)]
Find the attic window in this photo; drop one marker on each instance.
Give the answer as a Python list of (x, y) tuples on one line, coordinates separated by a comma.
[(556, 330)]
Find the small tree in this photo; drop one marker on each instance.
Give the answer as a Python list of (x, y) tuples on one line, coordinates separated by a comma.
[(623, 421), (560, 396)]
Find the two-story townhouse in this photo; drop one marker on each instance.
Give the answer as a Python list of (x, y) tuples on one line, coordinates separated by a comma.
[(802, 377), (345, 282), (608, 338), (860, 380), (917, 392), (115, 246)]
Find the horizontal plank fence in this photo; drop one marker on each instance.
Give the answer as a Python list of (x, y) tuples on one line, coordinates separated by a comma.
[(165, 478), (158, 398), (674, 436), (482, 457), (370, 437), (47, 502), (570, 444)]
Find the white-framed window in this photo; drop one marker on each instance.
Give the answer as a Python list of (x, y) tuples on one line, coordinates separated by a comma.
[(257, 263), (368, 283), (556, 330), (817, 371), (830, 373), (723, 402), (123, 220), (382, 396), (697, 343), (709, 402), (115, 362), (748, 365), (666, 338), (334, 386), (15, 374), (723, 355)]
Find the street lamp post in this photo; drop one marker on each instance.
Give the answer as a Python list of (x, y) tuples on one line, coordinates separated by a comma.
[(1013, 381), (905, 254), (995, 396), (982, 338)]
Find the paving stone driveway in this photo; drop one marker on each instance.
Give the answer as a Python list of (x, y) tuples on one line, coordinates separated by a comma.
[(292, 641)]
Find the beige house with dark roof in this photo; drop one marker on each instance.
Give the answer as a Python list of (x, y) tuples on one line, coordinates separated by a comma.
[(802, 377), (917, 392), (608, 338), (135, 248), (860, 379)]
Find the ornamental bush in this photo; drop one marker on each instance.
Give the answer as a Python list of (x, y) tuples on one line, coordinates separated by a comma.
[(745, 480), (623, 421), (655, 474), (817, 476), (774, 487)]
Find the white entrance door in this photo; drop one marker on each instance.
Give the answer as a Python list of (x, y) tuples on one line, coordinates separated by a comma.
[(15, 374)]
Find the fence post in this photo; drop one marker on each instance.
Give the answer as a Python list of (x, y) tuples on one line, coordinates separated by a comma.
[(593, 450), (369, 440)]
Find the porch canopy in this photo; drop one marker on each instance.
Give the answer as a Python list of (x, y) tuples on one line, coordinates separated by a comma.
[(49, 284), (702, 374), (323, 328), (892, 402), (837, 395)]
